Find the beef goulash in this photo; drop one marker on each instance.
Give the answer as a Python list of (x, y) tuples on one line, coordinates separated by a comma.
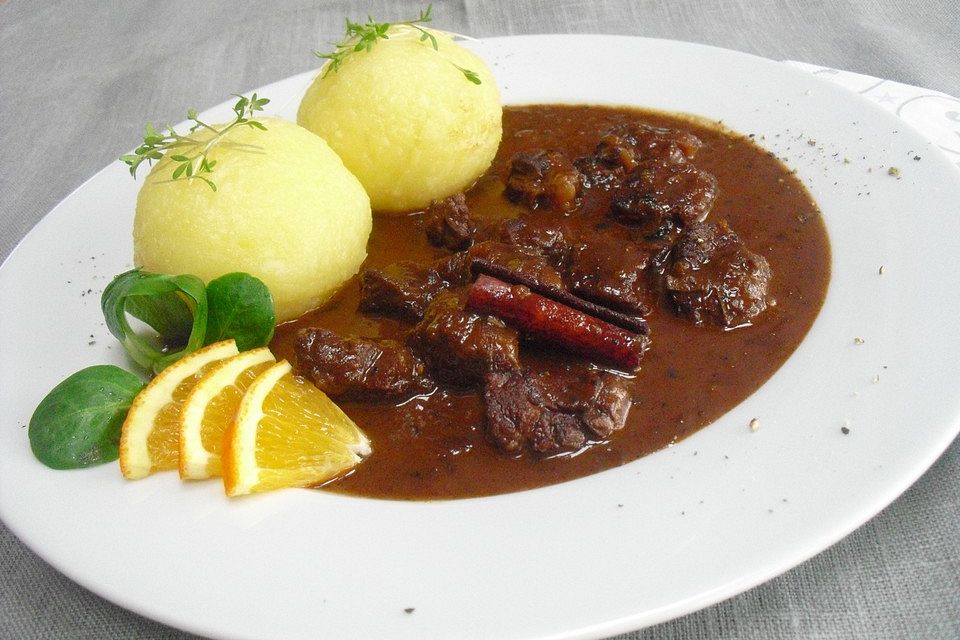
[(617, 280)]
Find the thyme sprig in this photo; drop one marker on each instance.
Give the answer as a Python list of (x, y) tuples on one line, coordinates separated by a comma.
[(362, 37), (157, 144)]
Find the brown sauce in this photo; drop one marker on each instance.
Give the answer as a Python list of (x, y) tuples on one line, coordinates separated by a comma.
[(435, 447)]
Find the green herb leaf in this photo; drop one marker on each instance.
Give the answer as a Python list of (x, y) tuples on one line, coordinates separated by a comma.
[(240, 307), (78, 423), (154, 354), (469, 75), (362, 37), (156, 145)]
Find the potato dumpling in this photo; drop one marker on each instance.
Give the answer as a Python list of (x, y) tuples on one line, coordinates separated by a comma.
[(405, 119), (285, 210)]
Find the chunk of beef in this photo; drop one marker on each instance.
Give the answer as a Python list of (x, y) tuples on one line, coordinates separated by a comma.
[(403, 289), (516, 416), (455, 270), (543, 179), (359, 367), (598, 399), (552, 412), (642, 212), (660, 196), (627, 145), (597, 174), (611, 273), (448, 224), (460, 346), (518, 260), (537, 237), (622, 148), (715, 279)]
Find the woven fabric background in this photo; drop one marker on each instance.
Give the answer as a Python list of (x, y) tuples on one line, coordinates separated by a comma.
[(79, 78)]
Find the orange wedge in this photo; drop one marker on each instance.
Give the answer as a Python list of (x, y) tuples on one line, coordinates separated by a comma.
[(288, 433), (150, 435), (210, 408)]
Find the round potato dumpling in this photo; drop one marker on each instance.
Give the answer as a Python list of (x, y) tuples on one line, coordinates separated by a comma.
[(285, 210), (406, 120)]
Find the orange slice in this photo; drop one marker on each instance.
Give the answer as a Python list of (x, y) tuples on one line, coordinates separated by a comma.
[(288, 433), (150, 435), (210, 408)]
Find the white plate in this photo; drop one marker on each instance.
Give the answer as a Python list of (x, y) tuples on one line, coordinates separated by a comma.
[(681, 529)]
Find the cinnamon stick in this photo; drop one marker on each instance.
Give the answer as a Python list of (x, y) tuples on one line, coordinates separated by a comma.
[(634, 324), (550, 321)]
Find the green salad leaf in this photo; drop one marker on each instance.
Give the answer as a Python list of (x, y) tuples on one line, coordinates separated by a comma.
[(78, 423), (240, 307), (167, 313), (134, 286), (185, 314)]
